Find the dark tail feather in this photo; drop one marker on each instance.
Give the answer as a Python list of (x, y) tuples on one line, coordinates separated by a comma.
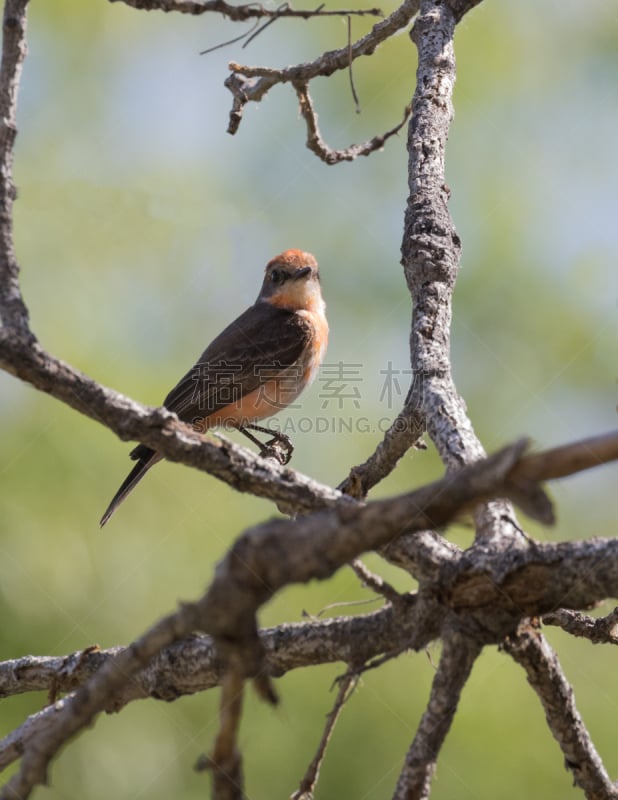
[(146, 458)]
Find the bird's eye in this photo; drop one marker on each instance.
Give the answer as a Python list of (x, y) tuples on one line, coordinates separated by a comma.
[(277, 276)]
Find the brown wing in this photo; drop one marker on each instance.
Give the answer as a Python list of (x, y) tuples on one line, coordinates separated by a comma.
[(240, 359)]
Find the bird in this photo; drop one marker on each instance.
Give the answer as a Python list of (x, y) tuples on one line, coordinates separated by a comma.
[(254, 368)]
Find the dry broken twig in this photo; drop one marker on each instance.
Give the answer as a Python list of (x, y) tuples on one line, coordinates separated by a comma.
[(347, 684)]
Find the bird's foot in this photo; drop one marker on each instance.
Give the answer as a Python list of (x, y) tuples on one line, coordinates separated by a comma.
[(279, 447)]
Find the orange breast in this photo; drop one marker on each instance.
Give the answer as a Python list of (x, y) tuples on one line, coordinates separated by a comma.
[(277, 393)]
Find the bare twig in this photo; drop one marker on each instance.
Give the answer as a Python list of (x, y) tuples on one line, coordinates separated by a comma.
[(599, 631), (246, 11), (250, 84), (404, 433), (531, 650), (317, 145), (458, 656), (350, 70), (375, 582), (347, 684)]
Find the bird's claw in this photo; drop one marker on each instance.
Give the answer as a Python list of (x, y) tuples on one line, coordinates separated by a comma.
[(279, 447)]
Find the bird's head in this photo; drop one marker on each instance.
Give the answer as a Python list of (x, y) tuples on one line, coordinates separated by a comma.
[(292, 281)]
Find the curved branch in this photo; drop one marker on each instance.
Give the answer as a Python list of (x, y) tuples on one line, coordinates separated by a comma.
[(317, 145)]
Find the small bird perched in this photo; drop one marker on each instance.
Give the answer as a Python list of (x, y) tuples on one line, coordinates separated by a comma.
[(254, 368)]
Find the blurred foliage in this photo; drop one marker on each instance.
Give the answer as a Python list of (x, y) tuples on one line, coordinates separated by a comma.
[(142, 228)]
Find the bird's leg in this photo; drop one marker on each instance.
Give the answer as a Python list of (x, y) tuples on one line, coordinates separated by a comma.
[(279, 447)]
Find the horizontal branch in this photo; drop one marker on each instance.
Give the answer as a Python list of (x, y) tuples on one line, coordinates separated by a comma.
[(191, 665), (598, 631), (333, 60), (242, 13)]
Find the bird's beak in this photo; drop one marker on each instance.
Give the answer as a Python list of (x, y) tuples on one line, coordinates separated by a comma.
[(301, 273)]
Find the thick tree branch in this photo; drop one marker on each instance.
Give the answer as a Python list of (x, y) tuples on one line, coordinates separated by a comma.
[(531, 650), (573, 574), (430, 255)]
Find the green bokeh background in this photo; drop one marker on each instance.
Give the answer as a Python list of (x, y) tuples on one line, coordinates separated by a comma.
[(142, 228)]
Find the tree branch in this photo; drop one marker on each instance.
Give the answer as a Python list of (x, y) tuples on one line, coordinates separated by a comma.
[(430, 253), (347, 684), (317, 145), (160, 429), (250, 84), (242, 13), (13, 312), (458, 656), (530, 649), (598, 631)]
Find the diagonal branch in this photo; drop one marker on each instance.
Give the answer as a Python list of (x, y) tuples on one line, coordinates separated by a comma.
[(347, 684), (458, 656), (160, 429), (530, 649)]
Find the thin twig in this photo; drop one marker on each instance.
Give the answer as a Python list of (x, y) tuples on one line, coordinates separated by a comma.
[(305, 791), (375, 582), (317, 145), (250, 84), (230, 41), (350, 72), (241, 13)]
